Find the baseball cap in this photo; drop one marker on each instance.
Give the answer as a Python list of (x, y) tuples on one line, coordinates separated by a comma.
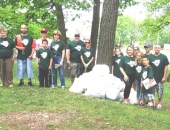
[(77, 34), (44, 30), (147, 45), (136, 48)]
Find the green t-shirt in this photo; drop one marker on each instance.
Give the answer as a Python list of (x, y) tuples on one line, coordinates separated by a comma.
[(138, 71), (75, 48), (149, 58), (57, 47), (128, 65), (147, 72), (158, 64), (87, 55), (115, 63), (44, 56), (6, 48), (27, 42)]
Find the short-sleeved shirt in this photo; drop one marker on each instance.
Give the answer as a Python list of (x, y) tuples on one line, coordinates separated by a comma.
[(39, 43), (87, 55), (44, 56), (75, 48), (158, 64), (128, 65), (138, 71), (115, 63), (149, 58), (6, 47), (57, 47), (28, 43), (147, 72)]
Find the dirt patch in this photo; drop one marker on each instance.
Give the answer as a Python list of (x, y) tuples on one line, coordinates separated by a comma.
[(34, 120)]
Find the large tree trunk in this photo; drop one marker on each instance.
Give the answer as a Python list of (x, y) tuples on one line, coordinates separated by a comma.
[(107, 32), (60, 21), (95, 24)]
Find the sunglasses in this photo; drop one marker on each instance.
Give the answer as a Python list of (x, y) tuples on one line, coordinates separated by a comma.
[(77, 36), (87, 42), (146, 47)]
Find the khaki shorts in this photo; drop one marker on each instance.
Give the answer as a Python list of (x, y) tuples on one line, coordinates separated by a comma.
[(75, 69), (160, 89)]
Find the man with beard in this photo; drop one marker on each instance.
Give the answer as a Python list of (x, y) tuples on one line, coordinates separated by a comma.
[(39, 45), (25, 45), (73, 56), (159, 63)]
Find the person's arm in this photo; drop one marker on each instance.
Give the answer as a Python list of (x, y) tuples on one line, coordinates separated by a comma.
[(62, 57), (165, 74), (37, 59), (51, 61), (20, 48), (150, 82), (68, 56), (90, 61), (126, 78), (112, 68), (32, 53)]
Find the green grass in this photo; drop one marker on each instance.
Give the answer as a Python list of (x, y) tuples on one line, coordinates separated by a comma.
[(88, 113)]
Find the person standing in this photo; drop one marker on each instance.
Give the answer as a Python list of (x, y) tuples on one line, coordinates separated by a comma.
[(25, 45), (159, 63), (58, 50), (148, 52), (127, 68), (6, 58), (44, 63), (115, 63), (86, 56), (44, 32), (73, 56)]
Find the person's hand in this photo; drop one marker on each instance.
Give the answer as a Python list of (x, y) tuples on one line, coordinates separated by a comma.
[(68, 62), (49, 68), (30, 57), (13, 58), (163, 80), (61, 63), (85, 65), (22, 48), (37, 66), (126, 78)]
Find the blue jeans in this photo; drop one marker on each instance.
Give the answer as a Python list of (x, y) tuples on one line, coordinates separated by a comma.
[(24, 66), (56, 60), (138, 89)]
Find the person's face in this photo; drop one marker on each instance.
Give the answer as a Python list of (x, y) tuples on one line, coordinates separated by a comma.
[(23, 29), (147, 49), (129, 51), (56, 37), (3, 34), (117, 52), (145, 61), (87, 42), (44, 44), (138, 56), (76, 38), (118, 45), (43, 34), (157, 49)]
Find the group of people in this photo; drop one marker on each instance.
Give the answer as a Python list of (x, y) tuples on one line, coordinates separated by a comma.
[(50, 55), (146, 71)]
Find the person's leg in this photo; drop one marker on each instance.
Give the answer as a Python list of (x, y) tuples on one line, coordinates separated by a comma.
[(82, 69), (73, 70), (29, 71), (54, 72), (46, 72), (160, 90), (21, 66), (62, 78), (8, 69), (138, 88), (78, 70), (3, 73), (41, 76)]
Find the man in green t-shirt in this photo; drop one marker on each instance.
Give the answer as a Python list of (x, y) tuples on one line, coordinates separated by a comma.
[(25, 45), (159, 63), (148, 52), (73, 56)]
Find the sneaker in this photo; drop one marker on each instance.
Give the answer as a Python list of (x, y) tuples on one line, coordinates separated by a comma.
[(57, 66), (159, 106), (52, 86), (1, 85), (21, 84), (63, 87), (154, 108), (11, 85), (150, 104), (30, 84)]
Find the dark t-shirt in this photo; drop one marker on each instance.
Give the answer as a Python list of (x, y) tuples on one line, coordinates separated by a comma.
[(87, 55), (128, 65), (6, 47), (115, 63), (57, 47), (158, 64), (75, 48), (149, 58), (138, 71), (44, 56)]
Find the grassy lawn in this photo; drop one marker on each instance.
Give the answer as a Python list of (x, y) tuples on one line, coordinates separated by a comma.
[(24, 108)]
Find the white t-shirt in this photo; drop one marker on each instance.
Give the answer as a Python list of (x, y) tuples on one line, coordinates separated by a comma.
[(39, 43)]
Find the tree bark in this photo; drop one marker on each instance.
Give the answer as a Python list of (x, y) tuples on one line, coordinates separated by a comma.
[(107, 32), (95, 24), (60, 21)]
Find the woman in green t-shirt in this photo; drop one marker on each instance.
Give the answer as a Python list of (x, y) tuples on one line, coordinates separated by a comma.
[(127, 68)]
